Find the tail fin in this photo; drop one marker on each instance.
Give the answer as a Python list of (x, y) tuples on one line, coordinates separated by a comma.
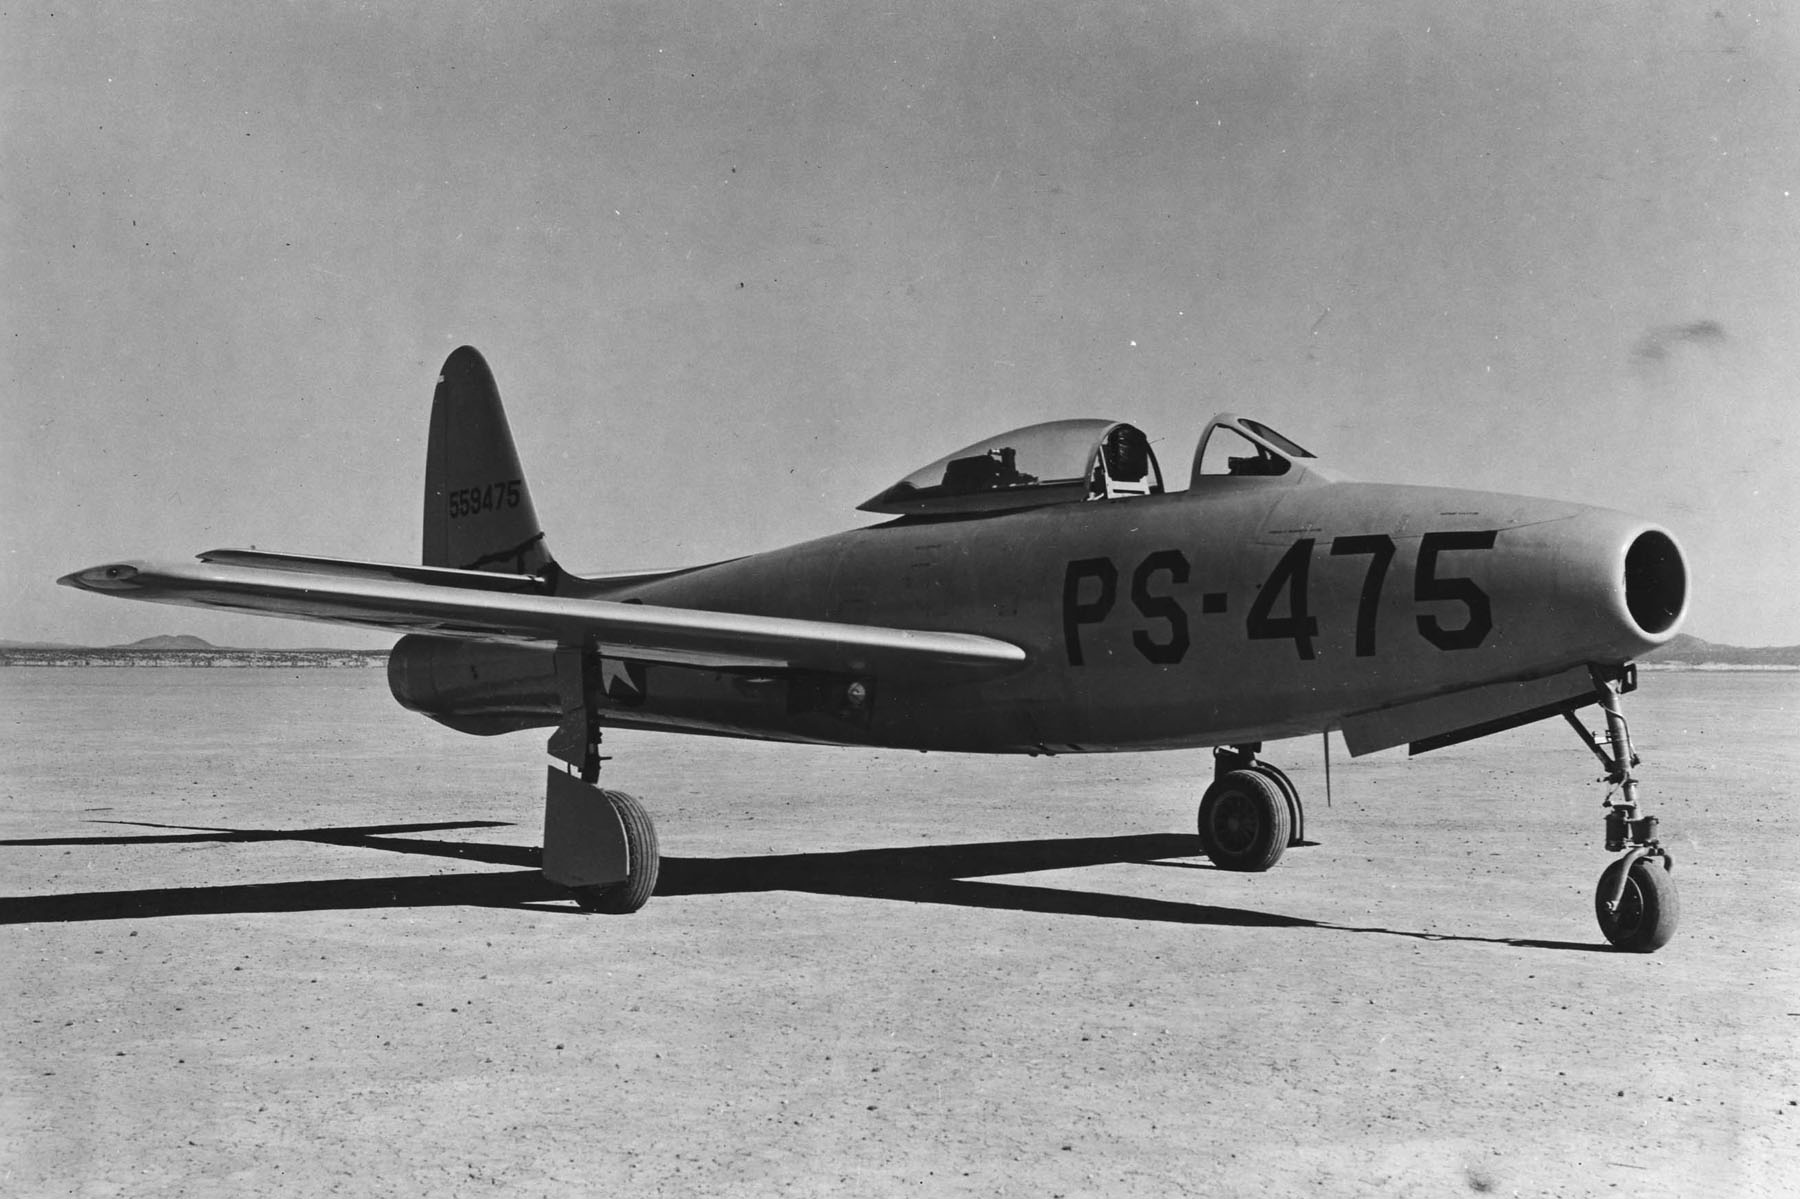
[(478, 511)]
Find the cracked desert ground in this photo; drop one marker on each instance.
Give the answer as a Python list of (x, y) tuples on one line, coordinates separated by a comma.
[(263, 932)]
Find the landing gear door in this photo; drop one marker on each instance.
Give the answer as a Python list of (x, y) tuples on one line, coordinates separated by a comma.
[(584, 839)]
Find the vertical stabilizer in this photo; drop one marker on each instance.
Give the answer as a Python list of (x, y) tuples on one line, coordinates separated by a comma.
[(478, 510)]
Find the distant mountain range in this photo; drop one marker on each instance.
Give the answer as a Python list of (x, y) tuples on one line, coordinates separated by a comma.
[(167, 641), (182, 642), (178, 651), (162, 641), (1683, 650)]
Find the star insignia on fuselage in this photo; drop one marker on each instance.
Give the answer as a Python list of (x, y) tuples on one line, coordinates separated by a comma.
[(622, 681)]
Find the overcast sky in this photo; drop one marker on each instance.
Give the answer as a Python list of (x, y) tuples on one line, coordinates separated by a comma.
[(739, 267)]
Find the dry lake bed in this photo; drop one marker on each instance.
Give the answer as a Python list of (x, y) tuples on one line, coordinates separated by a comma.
[(263, 932)]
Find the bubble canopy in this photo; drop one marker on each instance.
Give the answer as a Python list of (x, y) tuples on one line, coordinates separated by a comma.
[(1052, 463)]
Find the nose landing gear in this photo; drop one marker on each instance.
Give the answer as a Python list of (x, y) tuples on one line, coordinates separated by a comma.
[(1635, 902)]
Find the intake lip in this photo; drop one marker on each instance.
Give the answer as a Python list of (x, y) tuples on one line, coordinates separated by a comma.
[(1656, 584)]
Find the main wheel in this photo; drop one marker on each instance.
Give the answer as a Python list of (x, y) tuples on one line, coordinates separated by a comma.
[(1647, 913), (621, 899), (1244, 821), (1296, 813)]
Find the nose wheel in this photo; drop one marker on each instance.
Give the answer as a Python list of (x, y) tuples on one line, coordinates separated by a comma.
[(1635, 901)]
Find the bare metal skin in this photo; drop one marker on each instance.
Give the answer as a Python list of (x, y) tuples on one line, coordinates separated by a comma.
[(1038, 592)]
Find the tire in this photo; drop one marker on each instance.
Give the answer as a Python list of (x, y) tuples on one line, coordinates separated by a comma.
[(1244, 821), (622, 899), (1296, 813), (1648, 911)]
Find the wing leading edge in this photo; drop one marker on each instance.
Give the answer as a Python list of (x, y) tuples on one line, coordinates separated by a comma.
[(686, 636)]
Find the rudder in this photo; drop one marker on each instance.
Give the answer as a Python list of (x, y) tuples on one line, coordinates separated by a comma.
[(478, 510)]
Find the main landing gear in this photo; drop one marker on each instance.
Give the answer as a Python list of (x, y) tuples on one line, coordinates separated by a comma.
[(600, 844), (1251, 813), (1635, 902)]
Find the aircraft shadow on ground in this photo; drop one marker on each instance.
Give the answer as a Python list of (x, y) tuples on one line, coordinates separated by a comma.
[(937, 874)]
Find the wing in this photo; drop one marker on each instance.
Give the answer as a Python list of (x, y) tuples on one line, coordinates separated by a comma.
[(440, 602)]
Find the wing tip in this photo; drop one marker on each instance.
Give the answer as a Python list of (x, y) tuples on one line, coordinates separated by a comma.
[(111, 576)]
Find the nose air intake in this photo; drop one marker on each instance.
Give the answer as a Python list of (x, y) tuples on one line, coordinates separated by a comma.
[(1655, 582)]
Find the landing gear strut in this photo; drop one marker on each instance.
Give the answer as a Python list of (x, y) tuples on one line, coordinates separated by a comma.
[(1251, 813), (1635, 902), (600, 844)]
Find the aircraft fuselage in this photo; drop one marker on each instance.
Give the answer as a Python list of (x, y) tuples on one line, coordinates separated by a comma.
[(1240, 610)]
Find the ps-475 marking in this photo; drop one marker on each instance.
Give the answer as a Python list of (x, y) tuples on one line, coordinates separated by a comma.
[(1280, 610)]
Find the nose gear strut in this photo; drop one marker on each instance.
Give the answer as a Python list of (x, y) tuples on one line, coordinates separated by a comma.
[(1635, 902)]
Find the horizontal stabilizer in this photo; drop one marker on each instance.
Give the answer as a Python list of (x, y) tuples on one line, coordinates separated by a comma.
[(443, 576), (349, 568), (381, 599)]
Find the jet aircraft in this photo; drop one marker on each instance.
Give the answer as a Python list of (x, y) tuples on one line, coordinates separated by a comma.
[(1042, 591)]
